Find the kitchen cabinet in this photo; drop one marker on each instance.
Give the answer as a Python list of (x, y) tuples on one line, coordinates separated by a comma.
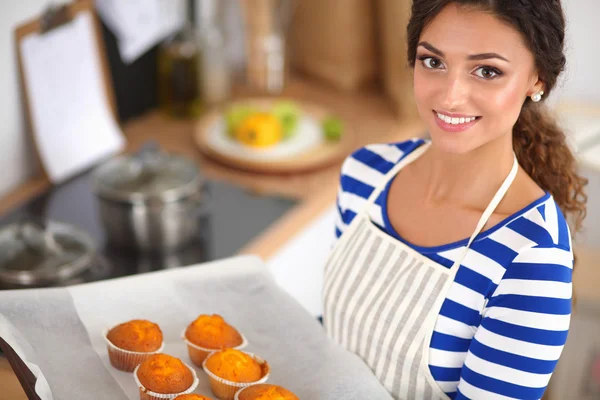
[(298, 265)]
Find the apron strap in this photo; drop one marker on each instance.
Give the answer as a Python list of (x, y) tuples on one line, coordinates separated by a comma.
[(496, 200), (489, 211), (412, 156), (484, 217)]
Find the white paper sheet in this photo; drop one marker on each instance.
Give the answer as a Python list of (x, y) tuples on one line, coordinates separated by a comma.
[(60, 330), (141, 24), (72, 122), (41, 385)]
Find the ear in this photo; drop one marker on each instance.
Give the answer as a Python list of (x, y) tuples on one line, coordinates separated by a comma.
[(537, 87)]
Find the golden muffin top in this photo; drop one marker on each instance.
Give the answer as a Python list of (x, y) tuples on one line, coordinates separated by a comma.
[(138, 335)]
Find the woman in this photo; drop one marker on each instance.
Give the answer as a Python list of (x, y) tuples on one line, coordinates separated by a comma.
[(452, 275)]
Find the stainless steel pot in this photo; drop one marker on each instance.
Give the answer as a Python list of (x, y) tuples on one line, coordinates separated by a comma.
[(150, 201), (34, 253)]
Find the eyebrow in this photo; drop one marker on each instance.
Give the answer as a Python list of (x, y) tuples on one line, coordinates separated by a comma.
[(482, 56)]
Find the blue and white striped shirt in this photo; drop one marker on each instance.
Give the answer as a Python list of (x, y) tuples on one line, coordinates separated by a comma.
[(505, 319)]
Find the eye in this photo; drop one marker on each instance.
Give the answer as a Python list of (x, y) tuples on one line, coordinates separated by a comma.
[(487, 72), (431, 62)]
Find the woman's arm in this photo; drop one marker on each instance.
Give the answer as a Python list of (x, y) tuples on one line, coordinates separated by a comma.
[(523, 329)]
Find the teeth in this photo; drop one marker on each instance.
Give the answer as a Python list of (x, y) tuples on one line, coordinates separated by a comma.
[(455, 121)]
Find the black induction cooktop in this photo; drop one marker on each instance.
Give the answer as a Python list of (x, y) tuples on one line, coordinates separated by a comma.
[(230, 219)]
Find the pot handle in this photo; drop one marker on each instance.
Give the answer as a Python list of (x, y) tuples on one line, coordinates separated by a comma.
[(148, 147), (149, 156), (50, 244)]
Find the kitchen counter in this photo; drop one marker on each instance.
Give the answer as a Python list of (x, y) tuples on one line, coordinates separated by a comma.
[(368, 113)]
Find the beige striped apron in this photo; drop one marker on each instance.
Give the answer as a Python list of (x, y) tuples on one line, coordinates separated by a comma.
[(382, 298)]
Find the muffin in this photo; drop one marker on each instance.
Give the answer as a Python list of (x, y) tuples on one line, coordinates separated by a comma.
[(130, 343), (265, 391), (209, 333), (231, 369), (192, 397), (235, 366), (162, 376)]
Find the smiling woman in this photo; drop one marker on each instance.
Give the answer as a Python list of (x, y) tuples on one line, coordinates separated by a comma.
[(451, 277), (506, 83)]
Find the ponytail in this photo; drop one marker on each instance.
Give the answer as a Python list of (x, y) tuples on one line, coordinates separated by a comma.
[(542, 150)]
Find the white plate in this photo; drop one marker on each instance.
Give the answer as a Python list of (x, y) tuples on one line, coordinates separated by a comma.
[(307, 136)]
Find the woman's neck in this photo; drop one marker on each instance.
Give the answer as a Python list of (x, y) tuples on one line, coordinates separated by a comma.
[(470, 179)]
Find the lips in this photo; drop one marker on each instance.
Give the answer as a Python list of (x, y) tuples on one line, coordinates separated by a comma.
[(452, 122), (455, 119)]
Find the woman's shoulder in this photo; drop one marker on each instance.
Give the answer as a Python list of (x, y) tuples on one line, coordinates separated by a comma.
[(541, 225), (535, 246), (364, 170), (370, 163)]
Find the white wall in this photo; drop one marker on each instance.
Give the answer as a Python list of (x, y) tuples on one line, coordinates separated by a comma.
[(582, 81), (16, 158)]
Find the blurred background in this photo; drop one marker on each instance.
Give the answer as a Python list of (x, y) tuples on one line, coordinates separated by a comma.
[(245, 110)]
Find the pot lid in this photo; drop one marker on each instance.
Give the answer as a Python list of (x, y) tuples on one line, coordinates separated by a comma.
[(150, 173), (34, 253)]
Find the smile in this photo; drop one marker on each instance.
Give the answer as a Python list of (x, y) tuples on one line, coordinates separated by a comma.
[(455, 122)]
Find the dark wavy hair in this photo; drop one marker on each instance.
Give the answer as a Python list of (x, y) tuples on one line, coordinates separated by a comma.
[(539, 143)]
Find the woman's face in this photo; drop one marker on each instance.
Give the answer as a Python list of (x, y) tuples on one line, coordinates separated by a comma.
[(472, 75)]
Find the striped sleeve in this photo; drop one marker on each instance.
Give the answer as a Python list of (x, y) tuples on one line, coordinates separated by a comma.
[(361, 172), (339, 222), (523, 329), (344, 215)]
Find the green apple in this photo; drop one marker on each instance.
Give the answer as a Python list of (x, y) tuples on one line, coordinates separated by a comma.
[(288, 114), (235, 115)]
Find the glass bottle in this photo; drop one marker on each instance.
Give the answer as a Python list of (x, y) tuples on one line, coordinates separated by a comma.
[(215, 75), (178, 71), (266, 23)]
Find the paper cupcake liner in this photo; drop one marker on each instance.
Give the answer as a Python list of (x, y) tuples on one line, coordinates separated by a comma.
[(198, 353), (126, 360), (239, 392), (147, 394), (226, 390)]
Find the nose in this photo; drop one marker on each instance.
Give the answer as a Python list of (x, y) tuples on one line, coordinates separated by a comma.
[(456, 93)]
